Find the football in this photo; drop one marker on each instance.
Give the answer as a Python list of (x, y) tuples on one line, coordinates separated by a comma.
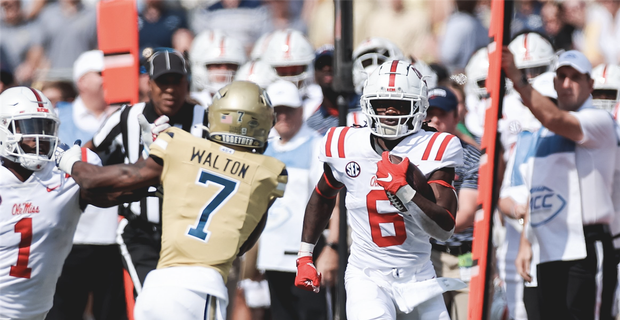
[(415, 178)]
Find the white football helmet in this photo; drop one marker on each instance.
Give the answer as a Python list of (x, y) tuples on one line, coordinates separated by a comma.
[(427, 73), (291, 55), (477, 71), (369, 55), (258, 72), (395, 83), (606, 94), (534, 55), (213, 47), (260, 46), (26, 115)]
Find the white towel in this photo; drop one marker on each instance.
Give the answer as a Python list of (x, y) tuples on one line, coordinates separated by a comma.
[(409, 295)]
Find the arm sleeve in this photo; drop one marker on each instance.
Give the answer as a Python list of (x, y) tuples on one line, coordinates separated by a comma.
[(597, 127), (454, 41)]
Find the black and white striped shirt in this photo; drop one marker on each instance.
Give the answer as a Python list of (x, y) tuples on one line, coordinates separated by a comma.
[(118, 141)]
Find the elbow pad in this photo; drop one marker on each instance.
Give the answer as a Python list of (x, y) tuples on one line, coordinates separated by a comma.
[(427, 224)]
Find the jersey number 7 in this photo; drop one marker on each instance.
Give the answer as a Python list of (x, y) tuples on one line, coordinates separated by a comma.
[(228, 187)]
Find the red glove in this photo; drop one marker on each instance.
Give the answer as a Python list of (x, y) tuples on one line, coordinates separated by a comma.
[(392, 176), (307, 277)]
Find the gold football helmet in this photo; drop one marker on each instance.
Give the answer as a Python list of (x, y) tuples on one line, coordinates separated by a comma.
[(241, 115)]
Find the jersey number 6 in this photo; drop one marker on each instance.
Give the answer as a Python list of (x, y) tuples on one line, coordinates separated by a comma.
[(228, 187), (386, 220)]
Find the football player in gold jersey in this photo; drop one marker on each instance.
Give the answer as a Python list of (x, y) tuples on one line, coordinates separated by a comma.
[(216, 195)]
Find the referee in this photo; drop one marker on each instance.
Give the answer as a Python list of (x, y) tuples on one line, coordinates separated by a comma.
[(118, 141)]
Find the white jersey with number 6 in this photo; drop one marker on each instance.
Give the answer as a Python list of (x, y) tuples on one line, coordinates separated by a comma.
[(383, 238), (38, 218)]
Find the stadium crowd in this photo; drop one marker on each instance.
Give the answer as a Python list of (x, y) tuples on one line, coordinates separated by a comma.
[(556, 230)]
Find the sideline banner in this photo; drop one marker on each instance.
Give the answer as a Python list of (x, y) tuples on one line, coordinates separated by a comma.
[(117, 33)]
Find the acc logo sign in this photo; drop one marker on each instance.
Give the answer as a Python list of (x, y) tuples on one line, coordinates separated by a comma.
[(545, 204), (352, 169)]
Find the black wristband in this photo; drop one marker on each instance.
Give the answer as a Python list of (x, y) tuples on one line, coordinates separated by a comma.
[(332, 245)]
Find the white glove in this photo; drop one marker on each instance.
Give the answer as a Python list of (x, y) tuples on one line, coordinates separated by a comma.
[(150, 131), (67, 159)]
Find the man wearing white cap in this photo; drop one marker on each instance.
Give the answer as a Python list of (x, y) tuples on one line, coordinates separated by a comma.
[(94, 264), (568, 171), (296, 145)]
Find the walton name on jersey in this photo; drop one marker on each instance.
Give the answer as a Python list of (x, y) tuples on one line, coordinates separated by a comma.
[(233, 167)]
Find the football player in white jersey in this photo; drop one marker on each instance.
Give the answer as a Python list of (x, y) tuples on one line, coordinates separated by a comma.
[(534, 55), (39, 205), (389, 274)]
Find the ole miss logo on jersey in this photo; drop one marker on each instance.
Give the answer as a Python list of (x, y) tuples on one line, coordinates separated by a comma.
[(24, 208)]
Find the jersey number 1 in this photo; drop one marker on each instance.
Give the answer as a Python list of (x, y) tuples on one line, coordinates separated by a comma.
[(228, 189), (21, 270)]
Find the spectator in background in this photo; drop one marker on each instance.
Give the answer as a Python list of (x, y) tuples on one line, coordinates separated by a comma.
[(443, 76), (6, 80), (602, 32), (452, 258), (245, 20), (464, 34), (556, 29), (6, 73), (94, 264), (286, 14), (325, 115), (20, 42), (297, 146), (58, 91), (573, 12), (527, 17), (412, 35), (144, 90), (68, 29), (160, 26)]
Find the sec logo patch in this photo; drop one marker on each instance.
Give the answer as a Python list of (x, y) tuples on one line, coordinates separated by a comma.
[(352, 169)]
